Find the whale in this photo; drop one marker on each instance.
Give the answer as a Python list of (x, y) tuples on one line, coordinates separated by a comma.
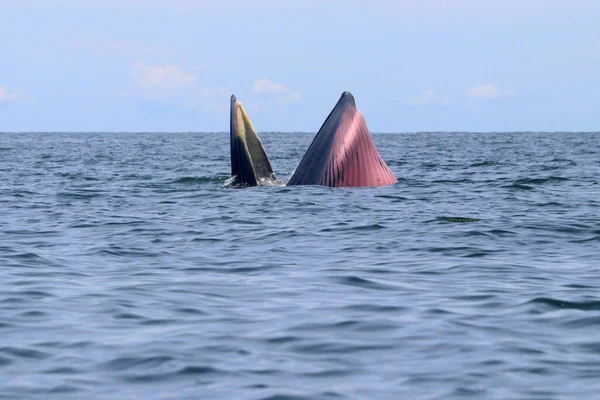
[(342, 154)]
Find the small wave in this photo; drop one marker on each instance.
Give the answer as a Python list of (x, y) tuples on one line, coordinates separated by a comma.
[(356, 281), (476, 233), (125, 363), (129, 316), (194, 180), (539, 181), (486, 164), (229, 183), (340, 348), (429, 165), (270, 182), (376, 308), (69, 175), (396, 162), (457, 219), (563, 160), (370, 227), (518, 186), (395, 199), (283, 339), (550, 204), (502, 232), (452, 181), (24, 193), (285, 397), (582, 322), (198, 370), (28, 295), (327, 373), (63, 371), (187, 370), (359, 228), (122, 252), (190, 311), (588, 239), (24, 353), (157, 322), (246, 270), (208, 240), (80, 195), (557, 304), (33, 314)]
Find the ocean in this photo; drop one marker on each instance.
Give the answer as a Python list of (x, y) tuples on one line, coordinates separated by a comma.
[(130, 270)]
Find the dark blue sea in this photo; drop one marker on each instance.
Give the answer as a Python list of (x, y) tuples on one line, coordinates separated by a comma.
[(129, 270)]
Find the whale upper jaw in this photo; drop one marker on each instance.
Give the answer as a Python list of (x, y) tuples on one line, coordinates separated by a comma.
[(249, 162), (343, 153)]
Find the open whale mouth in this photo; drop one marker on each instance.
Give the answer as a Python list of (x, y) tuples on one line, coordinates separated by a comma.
[(341, 154)]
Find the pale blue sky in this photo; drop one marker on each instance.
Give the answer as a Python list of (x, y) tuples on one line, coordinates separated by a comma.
[(171, 65)]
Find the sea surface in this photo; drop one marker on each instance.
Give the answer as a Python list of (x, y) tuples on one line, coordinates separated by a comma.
[(130, 270)]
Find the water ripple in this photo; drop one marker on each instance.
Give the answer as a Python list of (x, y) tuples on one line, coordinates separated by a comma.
[(131, 270)]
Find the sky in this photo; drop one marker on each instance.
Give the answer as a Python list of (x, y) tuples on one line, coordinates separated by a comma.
[(428, 65)]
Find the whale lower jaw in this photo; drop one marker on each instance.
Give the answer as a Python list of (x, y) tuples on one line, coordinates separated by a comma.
[(343, 153)]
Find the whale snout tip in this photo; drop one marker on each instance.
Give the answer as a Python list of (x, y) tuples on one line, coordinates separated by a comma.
[(347, 96)]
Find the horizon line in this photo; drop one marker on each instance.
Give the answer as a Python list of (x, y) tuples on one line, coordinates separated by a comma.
[(301, 132)]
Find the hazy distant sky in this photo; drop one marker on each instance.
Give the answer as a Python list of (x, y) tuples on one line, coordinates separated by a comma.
[(413, 65)]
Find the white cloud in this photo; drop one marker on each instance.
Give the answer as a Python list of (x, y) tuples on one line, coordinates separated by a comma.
[(161, 80), (424, 98), (488, 91), (279, 92), (6, 96), (427, 97), (264, 85), (170, 84), (289, 98)]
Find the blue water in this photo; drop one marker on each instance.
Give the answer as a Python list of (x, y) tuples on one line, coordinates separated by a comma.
[(128, 270)]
